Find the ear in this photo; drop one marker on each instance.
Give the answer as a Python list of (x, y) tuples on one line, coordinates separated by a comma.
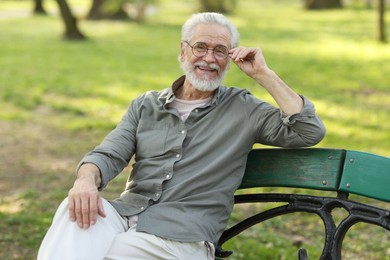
[(182, 51)]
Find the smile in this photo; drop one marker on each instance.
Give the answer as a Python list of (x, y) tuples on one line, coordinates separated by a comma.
[(206, 68)]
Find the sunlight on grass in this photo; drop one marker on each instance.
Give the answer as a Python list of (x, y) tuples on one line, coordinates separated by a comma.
[(11, 204), (356, 129), (10, 111)]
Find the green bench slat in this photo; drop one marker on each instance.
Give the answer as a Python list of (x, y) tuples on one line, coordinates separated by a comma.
[(366, 174), (313, 168)]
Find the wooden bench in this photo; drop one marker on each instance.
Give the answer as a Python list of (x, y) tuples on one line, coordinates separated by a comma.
[(341, 171)]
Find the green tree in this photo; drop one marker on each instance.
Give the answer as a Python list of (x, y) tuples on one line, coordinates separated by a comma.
[(107, 9), (220, 6), (322, 4), (116, 9)]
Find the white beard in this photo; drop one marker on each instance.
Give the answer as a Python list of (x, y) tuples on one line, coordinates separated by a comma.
[(202, 84)]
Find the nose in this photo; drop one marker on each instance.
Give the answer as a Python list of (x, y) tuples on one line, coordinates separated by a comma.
[(209, 56)]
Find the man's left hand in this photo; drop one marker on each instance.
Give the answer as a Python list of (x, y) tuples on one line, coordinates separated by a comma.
[(250, 60)]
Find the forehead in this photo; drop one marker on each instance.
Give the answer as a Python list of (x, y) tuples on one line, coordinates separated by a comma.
[(212, 34)]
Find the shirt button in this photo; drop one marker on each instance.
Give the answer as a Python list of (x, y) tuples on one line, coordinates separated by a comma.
[(168, 176), (142, 208), (177, 155), (196, 110), (183, 132), (157, 194)]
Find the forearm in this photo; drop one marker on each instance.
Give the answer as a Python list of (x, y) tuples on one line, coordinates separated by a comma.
[(286, 98), (251, 61), (89, 173)]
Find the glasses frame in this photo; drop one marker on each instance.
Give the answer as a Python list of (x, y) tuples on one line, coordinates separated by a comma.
[(207, 50)]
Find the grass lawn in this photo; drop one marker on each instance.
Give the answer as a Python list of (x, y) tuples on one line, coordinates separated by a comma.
[(58, 99)]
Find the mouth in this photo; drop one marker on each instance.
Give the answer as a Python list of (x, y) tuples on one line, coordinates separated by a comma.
[(206, 68)]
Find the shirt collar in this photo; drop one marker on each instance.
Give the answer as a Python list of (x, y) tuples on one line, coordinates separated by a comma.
[(168, 95)]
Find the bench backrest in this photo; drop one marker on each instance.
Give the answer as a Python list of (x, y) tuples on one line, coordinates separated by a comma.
[(321, 169), (301, 168), (367, 175)]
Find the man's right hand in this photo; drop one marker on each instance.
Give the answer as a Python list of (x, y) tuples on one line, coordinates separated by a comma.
[(84, 199)]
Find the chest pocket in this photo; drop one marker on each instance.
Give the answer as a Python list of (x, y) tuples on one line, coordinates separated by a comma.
[(151, 138)]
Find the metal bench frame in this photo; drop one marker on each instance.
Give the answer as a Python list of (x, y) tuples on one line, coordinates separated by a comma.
[(336, 170)]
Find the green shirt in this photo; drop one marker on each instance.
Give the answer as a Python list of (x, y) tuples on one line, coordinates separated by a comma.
[(185, 173)]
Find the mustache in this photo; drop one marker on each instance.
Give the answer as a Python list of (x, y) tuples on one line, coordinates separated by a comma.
[(206, 65)]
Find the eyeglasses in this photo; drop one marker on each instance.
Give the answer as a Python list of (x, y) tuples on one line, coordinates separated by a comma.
[(199, 49)]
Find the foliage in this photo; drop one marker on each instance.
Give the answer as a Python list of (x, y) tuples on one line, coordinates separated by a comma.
[(112, 7), (220, 6), (58, 99), (322, 4)]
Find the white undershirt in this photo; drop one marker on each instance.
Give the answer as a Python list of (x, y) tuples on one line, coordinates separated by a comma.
[(184, 107)]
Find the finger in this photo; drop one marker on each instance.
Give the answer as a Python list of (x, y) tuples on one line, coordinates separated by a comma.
[(77, 211), (71, 208), (101, 211), (93, 210), (85, 212), (235, 52), (246, 55), (239, 54), (241, 61)]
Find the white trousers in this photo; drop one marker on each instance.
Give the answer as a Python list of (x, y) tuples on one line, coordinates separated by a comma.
[(110, 238)]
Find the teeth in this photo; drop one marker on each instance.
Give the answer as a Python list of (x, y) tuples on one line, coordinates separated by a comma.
[(203, 68)]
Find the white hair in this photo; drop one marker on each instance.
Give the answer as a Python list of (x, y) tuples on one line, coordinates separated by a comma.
[(211, 18)]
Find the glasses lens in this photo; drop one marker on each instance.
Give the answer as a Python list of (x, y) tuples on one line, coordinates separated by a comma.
[(199, 49), (221, 51)]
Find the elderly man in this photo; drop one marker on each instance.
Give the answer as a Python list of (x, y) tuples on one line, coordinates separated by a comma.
[(190, 143)]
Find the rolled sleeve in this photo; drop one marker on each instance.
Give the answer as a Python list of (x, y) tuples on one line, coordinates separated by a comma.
[(98, 163), (276, 128), (307, 111), (306, 124)]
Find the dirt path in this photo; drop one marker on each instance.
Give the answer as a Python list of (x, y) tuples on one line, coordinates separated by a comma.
[(37, 156)]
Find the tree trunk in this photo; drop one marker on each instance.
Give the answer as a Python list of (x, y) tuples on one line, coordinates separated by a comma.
[(71, 29), (381, 21), (38, 7), (141, 8), (368, 4), (322, 4), (99, 11), (119, 14), (95, 13), (220, 6)]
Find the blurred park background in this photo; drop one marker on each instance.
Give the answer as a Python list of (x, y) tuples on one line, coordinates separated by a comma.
[(62, 91)]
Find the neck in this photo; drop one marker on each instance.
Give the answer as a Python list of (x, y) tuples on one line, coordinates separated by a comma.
[(188, 92)]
